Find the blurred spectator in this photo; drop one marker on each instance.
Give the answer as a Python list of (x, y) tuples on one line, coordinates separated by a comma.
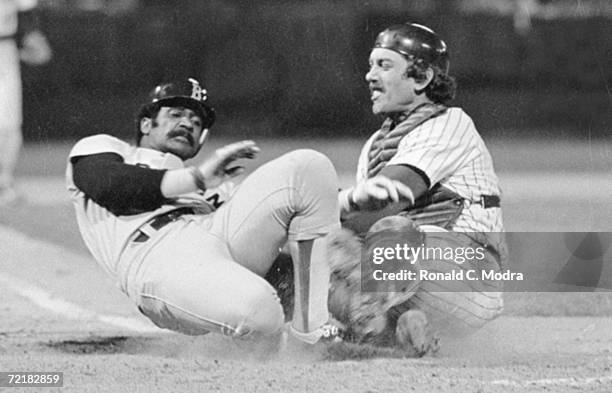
[(19, 39)]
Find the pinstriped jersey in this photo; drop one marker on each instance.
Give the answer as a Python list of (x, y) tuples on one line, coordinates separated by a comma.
[(106, 234), (449, 150)]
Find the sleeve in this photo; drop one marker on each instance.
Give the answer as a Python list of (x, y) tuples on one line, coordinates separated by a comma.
[(438, 147), (101, 174), (101, 143)]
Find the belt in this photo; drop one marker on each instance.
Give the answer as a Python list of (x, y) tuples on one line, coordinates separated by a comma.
[(487, 201), (7, 37), (158, 222)]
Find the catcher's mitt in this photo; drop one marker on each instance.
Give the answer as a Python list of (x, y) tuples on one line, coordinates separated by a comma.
[(356, 298)]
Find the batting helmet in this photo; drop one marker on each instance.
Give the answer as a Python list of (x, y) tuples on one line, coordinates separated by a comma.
[(186, 93), (416, 42)]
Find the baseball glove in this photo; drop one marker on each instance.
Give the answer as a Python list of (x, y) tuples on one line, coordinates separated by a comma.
[(356, 298)]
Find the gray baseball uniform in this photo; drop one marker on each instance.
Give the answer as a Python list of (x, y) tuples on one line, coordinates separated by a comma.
[(195, 264)]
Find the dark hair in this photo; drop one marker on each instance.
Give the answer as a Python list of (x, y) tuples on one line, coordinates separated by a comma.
[(149, 111), (442, 87)]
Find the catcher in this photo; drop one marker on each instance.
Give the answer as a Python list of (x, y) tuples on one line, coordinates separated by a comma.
[(453, 201)]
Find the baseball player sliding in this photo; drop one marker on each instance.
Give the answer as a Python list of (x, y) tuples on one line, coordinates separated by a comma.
[(188, 247), (29, 45), (444, 180)]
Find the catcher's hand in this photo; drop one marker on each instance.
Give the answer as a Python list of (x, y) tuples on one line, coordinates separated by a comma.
[(377, 192), (216, 169), (35, 49)]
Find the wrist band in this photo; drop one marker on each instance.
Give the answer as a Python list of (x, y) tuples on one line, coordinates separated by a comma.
[(351, 201), (347, 203), (198, 178)]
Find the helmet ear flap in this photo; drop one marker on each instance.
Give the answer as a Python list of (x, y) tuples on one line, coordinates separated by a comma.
[(203, 136), (202, 139)]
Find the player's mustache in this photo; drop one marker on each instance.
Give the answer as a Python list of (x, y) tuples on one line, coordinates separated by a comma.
[(181, 132)]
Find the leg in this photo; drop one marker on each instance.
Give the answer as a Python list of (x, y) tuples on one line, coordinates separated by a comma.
[(448, 306), (10, 113), (310, 309), (456, 307), (291, 198), (187, 282), (457, 313), (11, 146)]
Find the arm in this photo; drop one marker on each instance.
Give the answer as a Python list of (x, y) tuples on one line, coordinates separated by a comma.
[(127, 189), (211, 173), (411, 176), (394, 190), (121, 188)]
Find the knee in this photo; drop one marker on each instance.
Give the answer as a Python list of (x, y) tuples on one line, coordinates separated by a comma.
[(310, 172), (252, 309), (484, 308), (261, 315), (490, 306), (311, 161)]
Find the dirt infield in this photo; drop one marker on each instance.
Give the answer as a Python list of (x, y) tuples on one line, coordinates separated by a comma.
[(510, 355), (59, 312)]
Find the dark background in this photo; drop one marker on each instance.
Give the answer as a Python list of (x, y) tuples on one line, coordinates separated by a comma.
[(296, 68)]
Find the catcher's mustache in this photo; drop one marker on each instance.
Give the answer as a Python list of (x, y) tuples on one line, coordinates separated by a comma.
[(181, 132)]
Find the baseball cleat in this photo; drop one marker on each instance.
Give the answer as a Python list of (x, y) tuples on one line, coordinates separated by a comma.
[(414, 335), (332, 331)]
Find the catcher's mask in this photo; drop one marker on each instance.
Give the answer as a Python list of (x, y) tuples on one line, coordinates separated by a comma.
[(417, 43), (189, 94)]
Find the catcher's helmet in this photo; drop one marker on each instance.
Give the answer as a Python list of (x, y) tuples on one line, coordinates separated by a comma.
[(187, 93), (417, 43)]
